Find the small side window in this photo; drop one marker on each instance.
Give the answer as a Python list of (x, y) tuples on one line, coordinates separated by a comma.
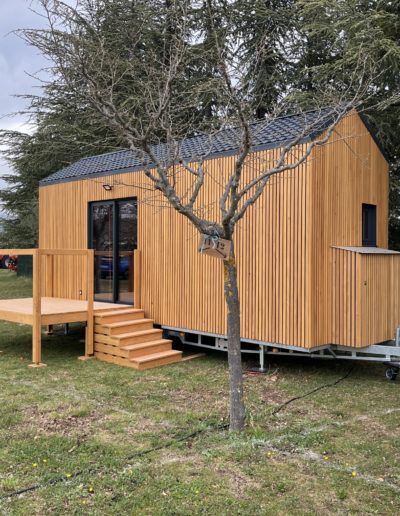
[(369, 225)]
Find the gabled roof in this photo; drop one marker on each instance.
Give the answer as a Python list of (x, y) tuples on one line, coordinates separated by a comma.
[(266, 134)]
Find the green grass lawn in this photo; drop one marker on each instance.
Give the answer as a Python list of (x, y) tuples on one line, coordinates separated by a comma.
[(102, 439)]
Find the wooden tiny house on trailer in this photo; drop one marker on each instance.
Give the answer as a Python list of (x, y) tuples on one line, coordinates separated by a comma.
[(314, 269)]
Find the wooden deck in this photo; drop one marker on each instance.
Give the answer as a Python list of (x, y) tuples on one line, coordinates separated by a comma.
[(53, 310), (42, 310), (115, 333)]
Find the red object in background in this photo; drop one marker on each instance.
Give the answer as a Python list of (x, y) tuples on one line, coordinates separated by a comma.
[(8, 262), (13, 263)]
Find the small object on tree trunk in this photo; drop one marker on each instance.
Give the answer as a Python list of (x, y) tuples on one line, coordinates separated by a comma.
[(215, 246)]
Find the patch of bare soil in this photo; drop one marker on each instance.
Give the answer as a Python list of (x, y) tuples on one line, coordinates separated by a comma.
[(238, 481), (264, 386), (44, 422), (200, 400), (171, 457), (139, 425), (274, 397)]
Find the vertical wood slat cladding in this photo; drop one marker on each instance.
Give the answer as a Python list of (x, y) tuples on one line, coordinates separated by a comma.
[(366, 307), (345, 328), (182, 288), (347, 172), (283, 244)]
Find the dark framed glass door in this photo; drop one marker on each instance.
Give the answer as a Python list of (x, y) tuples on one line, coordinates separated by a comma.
[(113, 236)]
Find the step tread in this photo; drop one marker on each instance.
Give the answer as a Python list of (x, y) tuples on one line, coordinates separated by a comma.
[(150, 344), (121, 324), (139, 333), (156, 356), (119, 312)]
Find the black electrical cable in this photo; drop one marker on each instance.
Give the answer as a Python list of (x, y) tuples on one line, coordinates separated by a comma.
[(171, 442), (325, 386)]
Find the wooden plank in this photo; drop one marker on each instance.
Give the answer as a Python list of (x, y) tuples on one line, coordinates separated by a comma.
[(138, 350), (105, 357), (120, 316), (90, 310), (137, 282), (119, 328), (53, 310), (110, 350), (50, 276), (130, 338), (68, 317), (16, 317), (36, 310), (64, 252), (157, 359), (186, 358), (18, 252)]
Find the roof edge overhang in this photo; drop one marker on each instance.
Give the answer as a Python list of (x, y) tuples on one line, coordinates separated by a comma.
[(366, 250)]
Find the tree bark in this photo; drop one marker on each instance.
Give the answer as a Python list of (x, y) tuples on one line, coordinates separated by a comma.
[(237, 412)]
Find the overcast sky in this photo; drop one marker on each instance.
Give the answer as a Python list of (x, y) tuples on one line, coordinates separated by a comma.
[(17, 61)]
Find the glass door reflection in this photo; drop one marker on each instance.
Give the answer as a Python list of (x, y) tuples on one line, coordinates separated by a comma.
[(102, 216), (127, 236), (113, 236)]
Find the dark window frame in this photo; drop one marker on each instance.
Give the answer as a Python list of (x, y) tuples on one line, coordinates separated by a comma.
[(116, 234), (369, 225)]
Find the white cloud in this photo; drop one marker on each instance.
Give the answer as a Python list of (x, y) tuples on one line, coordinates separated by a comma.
[(18, 61)]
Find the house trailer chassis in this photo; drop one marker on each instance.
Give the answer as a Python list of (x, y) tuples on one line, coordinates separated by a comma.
[(387, 353)]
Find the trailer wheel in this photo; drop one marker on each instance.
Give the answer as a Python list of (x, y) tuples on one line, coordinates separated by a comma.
[(391, 373)]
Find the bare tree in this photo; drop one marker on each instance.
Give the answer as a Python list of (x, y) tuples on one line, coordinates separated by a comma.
[(155, 123)]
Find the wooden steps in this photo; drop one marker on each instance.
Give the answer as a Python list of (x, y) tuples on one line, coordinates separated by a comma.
[(126, 337), (157, 359), (129, 326), (120, 315)]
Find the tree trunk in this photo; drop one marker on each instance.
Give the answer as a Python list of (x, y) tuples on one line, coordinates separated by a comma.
[(237, 413)]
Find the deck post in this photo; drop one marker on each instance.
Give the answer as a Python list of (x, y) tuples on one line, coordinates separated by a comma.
[(36, 311), (89, 347), (137, 286)]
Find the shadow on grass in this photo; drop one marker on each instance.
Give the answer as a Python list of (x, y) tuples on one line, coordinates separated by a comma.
[(17, 344), (296, 366)]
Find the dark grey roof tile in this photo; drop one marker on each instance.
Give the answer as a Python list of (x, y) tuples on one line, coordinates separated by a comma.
[(265, 134)]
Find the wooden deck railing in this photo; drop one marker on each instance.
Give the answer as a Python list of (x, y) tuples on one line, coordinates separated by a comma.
[(37, 278)]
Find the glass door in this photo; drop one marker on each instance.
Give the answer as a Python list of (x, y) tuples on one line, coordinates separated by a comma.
[(113, 236), (102, 241), (127, 242)]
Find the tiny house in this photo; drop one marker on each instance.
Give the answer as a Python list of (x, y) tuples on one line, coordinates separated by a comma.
[(315, 273)]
